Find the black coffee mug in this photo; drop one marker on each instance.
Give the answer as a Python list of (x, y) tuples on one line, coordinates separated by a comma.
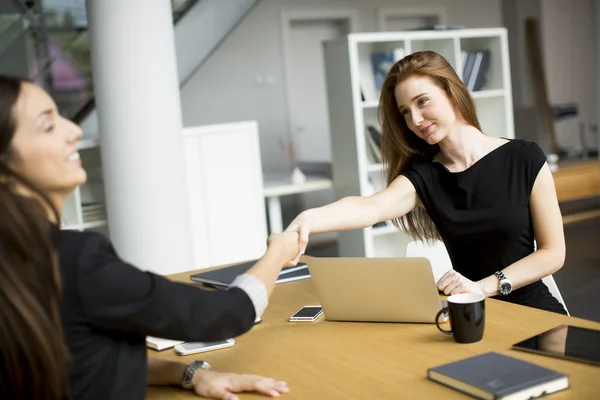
[(467, 317)]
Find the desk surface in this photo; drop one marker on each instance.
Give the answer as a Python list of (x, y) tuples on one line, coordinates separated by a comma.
[(340, 360), (577, 180)]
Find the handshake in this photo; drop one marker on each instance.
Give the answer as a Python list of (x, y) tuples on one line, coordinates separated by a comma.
[(286, 245), (293, 241)]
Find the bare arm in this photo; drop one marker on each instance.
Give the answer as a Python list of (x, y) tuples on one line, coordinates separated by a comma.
[(549, 235), (258, 282), (355, 212), (282, 248)]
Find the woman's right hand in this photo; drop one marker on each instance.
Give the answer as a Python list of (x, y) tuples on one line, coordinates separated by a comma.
[(300, 225)]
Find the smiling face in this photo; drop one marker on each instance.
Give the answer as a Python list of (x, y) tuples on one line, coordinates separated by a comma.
[(43, 149), (426, 109)]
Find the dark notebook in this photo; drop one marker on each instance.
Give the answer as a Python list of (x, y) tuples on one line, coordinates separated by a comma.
[(223, 277), (496, 376)]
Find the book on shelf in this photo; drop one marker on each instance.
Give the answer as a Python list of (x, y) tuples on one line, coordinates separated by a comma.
[(496, 376), (373, 137), (475, 69), (223, 277), (382, 62), (93, 218), (93, 212)]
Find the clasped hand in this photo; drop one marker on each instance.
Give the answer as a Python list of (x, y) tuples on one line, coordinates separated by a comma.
[(453, 283)]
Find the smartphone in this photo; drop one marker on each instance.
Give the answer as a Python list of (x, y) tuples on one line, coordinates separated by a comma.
[(188, 348), (307, 314)]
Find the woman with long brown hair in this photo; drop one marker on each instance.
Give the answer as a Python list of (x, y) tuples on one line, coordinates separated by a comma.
[(489, 199), (33, 355), (107, 306)]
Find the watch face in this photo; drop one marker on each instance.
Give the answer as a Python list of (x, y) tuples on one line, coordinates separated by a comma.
[(505, 288)]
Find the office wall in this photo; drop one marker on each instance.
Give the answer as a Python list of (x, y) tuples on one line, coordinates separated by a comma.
[(515, 12), (569, 54), (226, 87), (568, 43)]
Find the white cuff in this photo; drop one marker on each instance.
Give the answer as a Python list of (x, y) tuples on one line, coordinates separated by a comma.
[(255, 289)]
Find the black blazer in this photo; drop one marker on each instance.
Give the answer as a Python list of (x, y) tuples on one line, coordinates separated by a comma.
[(108, 307)]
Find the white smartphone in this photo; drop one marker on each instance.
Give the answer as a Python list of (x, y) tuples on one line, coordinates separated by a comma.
[(307, 314), (188, 348)]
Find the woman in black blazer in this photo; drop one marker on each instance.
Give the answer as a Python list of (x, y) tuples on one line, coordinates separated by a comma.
[(107, 306)]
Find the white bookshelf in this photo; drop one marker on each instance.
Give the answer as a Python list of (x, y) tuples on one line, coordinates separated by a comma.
[(348, 65), (74, 217)]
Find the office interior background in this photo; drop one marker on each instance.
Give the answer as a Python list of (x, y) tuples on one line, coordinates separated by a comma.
[(247, 143)]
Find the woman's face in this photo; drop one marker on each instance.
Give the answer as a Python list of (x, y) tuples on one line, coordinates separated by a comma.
[(425, 108), (43, 147)]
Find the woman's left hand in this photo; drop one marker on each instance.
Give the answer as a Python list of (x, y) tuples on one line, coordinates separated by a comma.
[(223, 386), (453, 283)]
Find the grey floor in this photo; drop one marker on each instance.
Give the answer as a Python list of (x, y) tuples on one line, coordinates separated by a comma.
[(579, 279)]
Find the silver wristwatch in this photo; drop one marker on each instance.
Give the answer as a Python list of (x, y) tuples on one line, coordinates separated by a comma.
[(186, 381), (504, 285)]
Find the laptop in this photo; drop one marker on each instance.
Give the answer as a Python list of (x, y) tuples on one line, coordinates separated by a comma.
[(376, 289)]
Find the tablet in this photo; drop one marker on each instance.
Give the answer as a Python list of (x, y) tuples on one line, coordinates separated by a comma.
[(565, 341)]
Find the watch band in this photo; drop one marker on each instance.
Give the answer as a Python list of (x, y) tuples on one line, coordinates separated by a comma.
[(188, 374), (504, 284), (500, 275)]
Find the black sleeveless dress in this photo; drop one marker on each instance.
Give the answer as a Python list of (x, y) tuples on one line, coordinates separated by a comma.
[(483, 214)]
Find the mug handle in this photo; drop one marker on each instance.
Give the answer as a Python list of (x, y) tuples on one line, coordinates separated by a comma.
[(437, 321)]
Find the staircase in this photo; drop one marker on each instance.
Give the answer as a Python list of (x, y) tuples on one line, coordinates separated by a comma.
[(50, 45)]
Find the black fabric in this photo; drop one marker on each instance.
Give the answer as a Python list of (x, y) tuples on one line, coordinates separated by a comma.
[(109, 307), (483, 213)]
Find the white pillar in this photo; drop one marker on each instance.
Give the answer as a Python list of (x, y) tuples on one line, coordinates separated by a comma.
[(140, 127)]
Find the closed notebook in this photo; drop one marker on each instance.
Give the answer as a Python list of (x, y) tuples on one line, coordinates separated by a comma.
[(223, 277), (496, 376), (160, 344)]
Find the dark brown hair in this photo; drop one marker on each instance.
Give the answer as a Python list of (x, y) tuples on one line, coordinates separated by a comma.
[(399, 145), (32, 346)]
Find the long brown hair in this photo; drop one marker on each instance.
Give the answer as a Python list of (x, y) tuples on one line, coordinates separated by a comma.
[(399, 145), (32, 346)]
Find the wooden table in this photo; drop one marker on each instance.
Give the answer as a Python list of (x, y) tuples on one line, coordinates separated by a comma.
[(577, 179), (344, 360)]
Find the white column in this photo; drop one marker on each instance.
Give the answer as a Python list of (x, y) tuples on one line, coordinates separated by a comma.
[(275, 219), (140, 127)]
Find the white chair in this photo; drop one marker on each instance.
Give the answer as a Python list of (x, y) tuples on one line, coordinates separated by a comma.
[(552, 287), (440, 263), (436, 254), (551, 283)]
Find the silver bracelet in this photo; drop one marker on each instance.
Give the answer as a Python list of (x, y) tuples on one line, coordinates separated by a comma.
[(188, 374)]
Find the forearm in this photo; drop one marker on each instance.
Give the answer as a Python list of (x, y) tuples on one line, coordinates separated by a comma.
[(163, 372), (267, 268), (527, 270), (349, 213)]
